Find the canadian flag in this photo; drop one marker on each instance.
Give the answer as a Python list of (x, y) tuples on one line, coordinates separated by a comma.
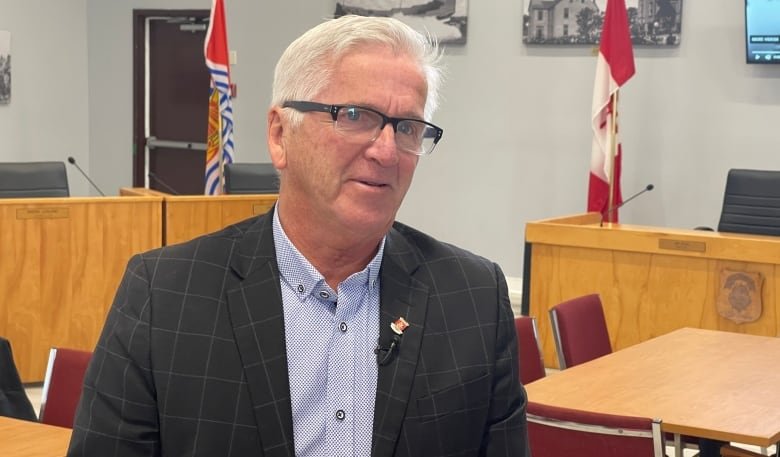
[(614, 68)]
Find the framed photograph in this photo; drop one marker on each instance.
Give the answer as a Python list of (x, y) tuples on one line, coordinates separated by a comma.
[(444, 19), (652, 22), (5, 67)]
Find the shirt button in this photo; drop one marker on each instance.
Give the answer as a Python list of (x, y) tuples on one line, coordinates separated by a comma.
[(300, 288), (324, 295), (343, 327), (340, 415)]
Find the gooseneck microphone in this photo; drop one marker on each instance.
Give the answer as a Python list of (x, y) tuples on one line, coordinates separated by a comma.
[(159, 181), (606, 214), (72, 161)]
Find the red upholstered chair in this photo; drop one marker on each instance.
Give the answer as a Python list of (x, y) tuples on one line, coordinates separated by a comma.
[(62, 385), (580, 330), (559, 432), (529, 353)]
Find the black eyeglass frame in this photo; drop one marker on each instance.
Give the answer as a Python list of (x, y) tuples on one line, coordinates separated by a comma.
[(333, 110)]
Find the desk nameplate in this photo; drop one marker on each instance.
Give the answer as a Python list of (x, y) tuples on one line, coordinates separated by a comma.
[(682, 245), (52, 212)]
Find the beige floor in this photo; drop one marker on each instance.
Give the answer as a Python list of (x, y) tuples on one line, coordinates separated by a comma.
[(34, 393)]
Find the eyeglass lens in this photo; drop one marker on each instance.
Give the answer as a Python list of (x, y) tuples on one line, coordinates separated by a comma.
[(362, 124)]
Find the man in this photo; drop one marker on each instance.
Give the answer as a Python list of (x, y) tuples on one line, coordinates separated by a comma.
[(322, 328)]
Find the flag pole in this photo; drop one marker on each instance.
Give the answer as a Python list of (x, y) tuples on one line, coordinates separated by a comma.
[(612, 154)]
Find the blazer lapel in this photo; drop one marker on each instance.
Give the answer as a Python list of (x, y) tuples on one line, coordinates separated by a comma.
[(256, 314), (401, 296)]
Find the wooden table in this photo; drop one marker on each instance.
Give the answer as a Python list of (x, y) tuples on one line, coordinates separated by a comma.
[(703, 383), (20, 438)]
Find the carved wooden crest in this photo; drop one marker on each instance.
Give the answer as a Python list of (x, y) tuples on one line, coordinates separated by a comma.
[(739, 296)]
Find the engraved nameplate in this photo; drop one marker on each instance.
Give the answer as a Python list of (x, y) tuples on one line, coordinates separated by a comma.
[(52, 212), (682, 245)]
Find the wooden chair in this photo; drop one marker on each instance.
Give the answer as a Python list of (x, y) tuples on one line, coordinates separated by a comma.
[(559, 432), (528, 351), (62, 385), (580, 330)]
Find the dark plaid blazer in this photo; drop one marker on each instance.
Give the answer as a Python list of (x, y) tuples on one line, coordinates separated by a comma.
[(192, 358)]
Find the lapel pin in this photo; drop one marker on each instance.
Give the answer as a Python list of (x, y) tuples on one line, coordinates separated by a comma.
[(399, 326)]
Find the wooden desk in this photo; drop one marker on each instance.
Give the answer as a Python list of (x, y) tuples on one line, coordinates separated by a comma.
[(189, 216), (30, 439), (704, 383), (651, 280), (61, 260)]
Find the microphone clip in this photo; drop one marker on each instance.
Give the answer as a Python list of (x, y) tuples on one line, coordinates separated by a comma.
[(384, 355)]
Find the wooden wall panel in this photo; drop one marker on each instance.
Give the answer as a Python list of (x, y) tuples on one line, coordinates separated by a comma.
[(61, 260)]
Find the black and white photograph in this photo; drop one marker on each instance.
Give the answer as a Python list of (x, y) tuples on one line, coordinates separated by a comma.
[(444, 19), (5, 67), (652, 22)]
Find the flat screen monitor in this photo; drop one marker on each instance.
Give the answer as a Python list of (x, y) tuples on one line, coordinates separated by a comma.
[(762, 31)]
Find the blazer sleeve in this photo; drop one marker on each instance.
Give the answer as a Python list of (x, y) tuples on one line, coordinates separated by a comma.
[(506, 434), (117, 414)]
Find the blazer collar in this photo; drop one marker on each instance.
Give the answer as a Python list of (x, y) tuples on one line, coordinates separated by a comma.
[(257, 317), (404, 296)]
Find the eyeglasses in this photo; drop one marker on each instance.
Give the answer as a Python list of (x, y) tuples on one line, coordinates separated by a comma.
[(362, 124)]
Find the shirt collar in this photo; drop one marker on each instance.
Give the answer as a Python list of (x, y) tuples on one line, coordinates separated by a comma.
[(304, 278)]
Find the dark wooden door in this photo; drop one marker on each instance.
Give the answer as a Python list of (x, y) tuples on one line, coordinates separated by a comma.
[(171, 86)]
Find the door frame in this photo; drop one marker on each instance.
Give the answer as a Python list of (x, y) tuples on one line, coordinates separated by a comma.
[(140, 173)]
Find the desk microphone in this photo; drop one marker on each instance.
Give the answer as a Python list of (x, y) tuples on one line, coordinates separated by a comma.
[(72, 161), (159, 181), (604, 217)]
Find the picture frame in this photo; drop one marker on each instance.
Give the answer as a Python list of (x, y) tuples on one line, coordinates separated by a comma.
[(446, 20), (578, 22), (5, 67)]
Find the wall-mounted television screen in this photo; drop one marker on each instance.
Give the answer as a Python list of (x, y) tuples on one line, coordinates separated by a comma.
[(762, 31)]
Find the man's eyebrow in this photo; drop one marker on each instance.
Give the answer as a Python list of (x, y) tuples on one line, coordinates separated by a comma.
[(405, 115)]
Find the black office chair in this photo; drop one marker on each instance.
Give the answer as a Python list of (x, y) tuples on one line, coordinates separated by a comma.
[(751, 202), (13, 399), (251, 178), (33, 179)]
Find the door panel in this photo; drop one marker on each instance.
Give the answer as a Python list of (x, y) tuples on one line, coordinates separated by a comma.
[(178, 86)]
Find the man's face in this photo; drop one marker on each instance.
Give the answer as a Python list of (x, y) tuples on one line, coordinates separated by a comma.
[(348, 186)]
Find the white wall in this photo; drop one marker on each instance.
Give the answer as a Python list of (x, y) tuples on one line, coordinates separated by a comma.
[(47, 118), (517, 119)]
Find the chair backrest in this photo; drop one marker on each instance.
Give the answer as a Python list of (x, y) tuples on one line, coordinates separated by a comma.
[(528, 351), (33, 179), (251, 178), (62, 385), (13, 398), (557, 432), (579, 330), (751, 202)]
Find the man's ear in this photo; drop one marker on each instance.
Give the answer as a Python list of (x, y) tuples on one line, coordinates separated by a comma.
[(276, 136)]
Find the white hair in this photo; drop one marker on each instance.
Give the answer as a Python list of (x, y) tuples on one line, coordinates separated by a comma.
[(306, 66)]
